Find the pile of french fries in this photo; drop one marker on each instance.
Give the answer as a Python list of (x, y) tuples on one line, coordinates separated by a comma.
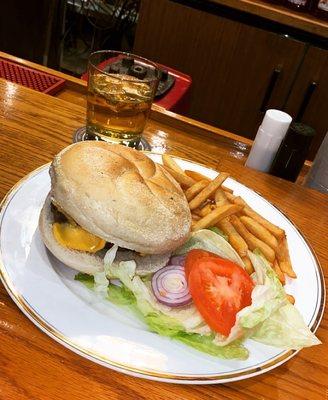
[(212, 204)]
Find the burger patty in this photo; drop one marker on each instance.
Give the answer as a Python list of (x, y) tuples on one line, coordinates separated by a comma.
[(58, 216), (145, 264)]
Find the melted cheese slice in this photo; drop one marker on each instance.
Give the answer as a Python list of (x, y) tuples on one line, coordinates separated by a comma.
[(76, 238)]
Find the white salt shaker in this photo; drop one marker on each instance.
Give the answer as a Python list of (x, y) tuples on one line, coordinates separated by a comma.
[(268, 139)]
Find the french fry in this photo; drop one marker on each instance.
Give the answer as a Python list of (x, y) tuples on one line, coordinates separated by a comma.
[(274, 229), (215, 216), (279, 272), (284, 260), (181, 178), (291, 298), (193, 190), (248, 265), (227, 189), (207, 191), (196, 212), (259, 231), (220, 197), (196, 175), (239, 200), (195, 217), (207, 209), (230, 197), (286, 267), (245, 228), (252, 241), (168, 161), (193, 223), (236, 241)]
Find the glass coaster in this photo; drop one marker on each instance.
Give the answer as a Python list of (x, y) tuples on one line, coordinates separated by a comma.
[(81, 134)]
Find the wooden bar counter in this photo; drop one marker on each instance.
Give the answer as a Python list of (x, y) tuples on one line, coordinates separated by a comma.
[(34, 127)]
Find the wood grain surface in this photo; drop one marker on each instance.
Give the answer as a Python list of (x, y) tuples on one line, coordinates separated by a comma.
[(74, 92), (230, 144), (34, 127)]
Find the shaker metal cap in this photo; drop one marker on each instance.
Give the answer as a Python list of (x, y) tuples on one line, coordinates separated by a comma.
[(276, 123)]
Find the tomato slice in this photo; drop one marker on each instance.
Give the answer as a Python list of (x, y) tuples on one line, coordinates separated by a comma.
[(193, 258), (219, 288)]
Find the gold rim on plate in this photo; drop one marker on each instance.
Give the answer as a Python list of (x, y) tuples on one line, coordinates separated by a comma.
[(28, 310)]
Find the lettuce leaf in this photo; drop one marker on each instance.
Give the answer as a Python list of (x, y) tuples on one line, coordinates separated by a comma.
[(215, 229), (270, 319), (206, 344), (178, 323), (187, 317), (120, 295), (163, 324), (280, 323), (206, 239), (101, 278), (286, 329), (156, 320), (86, 279), (166, 326)]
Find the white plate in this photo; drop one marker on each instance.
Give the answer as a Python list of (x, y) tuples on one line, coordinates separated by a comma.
[(45, 290)]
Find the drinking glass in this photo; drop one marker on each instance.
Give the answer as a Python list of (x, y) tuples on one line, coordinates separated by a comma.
[(121, 89)]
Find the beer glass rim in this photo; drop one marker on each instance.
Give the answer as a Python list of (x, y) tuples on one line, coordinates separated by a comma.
[(145, 60)]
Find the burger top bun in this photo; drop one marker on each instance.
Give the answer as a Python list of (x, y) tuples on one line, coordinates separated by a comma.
[(120, 195)]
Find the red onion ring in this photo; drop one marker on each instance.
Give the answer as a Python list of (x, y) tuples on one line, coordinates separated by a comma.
[(170, 286)]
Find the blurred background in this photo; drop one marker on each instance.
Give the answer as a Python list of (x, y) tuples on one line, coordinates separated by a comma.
[(236, 58), (62, 33)]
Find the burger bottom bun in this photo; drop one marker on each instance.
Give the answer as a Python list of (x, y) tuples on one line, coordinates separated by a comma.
[(79, 260)]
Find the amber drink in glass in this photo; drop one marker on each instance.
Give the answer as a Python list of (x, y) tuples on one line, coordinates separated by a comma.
[(121, 89)]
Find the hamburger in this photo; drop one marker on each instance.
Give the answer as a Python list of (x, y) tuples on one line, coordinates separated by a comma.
[(103, 194)]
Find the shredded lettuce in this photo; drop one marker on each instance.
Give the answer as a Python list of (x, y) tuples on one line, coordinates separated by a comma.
[(110, 257), (280, 323), (215, 229), (206, 239), (120, 295), (270, 319), (179, 324), (206, 344), (286, 329), (86, 279), (163, 324), (166, 326), (187, 317), (160, 323), (101, 278)]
